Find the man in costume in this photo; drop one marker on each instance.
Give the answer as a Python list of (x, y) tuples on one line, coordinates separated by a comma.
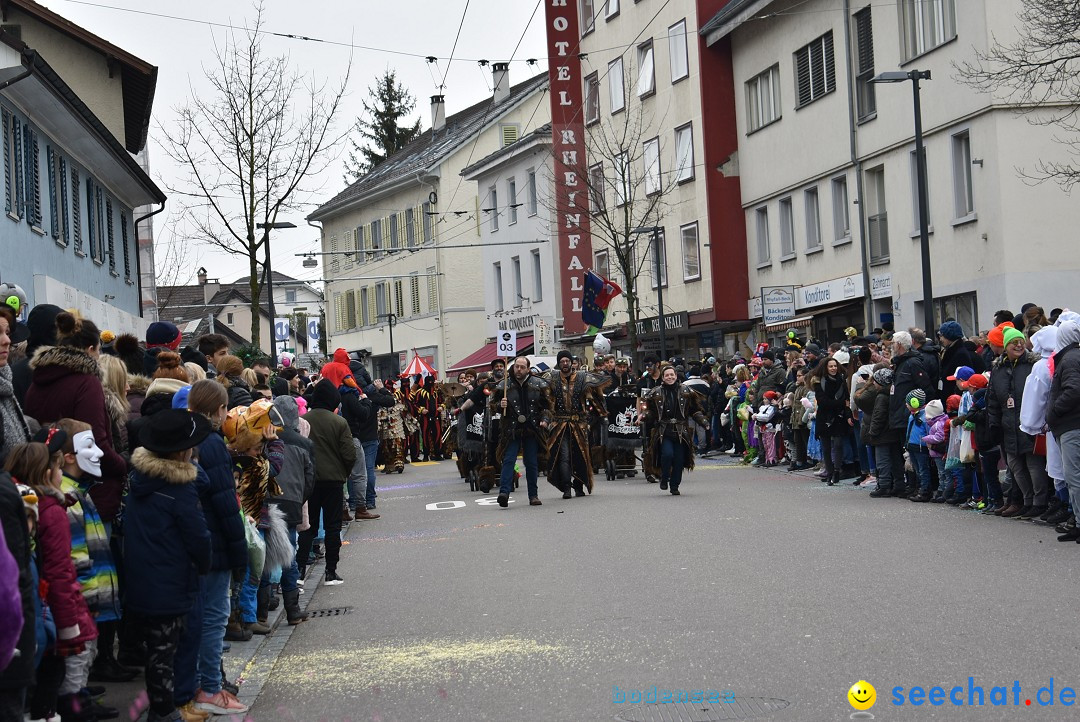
[(477, 403), (669, 408), (650, 380), (525, 409), (392, 433), (404, 395), (426, 401), (571, 391)]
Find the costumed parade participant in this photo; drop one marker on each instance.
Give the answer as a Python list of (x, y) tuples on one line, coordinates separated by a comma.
[(526, 412), (669, 407), (392, 434), (476, 405), (569, 465), (426, 403)]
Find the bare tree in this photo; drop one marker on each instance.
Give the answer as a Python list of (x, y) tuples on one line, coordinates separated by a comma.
[(1039, 72), (249, 146), (175, 263)]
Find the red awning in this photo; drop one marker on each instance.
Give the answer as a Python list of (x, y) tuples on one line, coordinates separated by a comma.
[(482, 357)]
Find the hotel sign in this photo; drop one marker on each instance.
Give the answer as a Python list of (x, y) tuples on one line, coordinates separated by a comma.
[(568, 149)]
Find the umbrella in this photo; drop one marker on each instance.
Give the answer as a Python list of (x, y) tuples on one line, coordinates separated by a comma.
[(699, 385), (418, 367)]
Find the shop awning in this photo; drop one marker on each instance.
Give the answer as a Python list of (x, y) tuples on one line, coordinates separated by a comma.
[(483, 356), (800, 322)]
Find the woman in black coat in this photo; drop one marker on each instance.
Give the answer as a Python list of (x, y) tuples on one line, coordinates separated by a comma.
[(834, 419)]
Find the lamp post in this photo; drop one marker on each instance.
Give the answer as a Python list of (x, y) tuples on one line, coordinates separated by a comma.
[(899, 76), (654, 239), (392, 319), (270, 288)]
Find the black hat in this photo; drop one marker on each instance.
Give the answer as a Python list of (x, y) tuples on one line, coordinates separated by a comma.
[(563, 354), (53, 437), (768, 354), (172, 430)]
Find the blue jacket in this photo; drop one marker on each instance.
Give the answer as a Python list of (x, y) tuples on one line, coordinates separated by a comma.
[(917, 428), (166, 542), (222, 510)]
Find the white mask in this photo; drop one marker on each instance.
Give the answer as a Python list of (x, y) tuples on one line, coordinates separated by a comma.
[(87, 453)]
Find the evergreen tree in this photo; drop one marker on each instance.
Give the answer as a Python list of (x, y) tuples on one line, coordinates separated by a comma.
[(380, 131)]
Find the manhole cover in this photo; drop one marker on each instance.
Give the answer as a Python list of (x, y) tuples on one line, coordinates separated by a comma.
[(739, 709), (333, 612)]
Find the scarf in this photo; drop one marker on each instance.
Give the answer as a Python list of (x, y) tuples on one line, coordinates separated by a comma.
[(15, 430)]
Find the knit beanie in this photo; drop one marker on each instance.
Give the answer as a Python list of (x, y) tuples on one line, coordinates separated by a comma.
[(952, 403), (915, 399), (933, 410), (951, 330), (883, 377), (163, 333), (1011, 334)]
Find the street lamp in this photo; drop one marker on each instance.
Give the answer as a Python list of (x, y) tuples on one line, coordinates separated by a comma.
[(391, 319), (270, 287), (654, 238), (899, 76)]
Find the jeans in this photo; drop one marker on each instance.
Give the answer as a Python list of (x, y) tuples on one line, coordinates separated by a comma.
[(1070, 462), (672, 458), (860, 448), (371, 450), (920, 461), (528, 446), (358, 478), (890, 467), (990, 475), (325, 502), (946, 479), (247, 598), (1029, 472), (291, 573), (215, 615)]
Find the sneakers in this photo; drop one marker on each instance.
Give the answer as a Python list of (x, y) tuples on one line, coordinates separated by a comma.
[(1032, 512), (1066, 525), (992, 509), (663, 485), (220, 703), (974, 505), (190, 713), (1062, 514), (332, 579)]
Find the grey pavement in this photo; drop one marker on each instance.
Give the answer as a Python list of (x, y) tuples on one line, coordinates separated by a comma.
[(771, 585)]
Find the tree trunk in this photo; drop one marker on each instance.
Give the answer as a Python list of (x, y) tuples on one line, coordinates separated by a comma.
[(254, 288)]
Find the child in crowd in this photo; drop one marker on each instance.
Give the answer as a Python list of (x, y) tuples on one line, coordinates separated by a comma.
[(936, 441), (165, 539), (918, 453), (38, 465), (766, 429)]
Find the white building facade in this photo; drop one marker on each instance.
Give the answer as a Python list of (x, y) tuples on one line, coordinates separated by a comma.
[(828, 166)]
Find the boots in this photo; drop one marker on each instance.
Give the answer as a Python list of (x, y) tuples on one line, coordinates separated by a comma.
[(345, 514), (834, 478), (262, 606), (275, 601), (292, 607), (235, 631), (363, 513)]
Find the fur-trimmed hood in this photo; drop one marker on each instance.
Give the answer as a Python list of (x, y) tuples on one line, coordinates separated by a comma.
[(138, 384), (56, 361), (153, 472)]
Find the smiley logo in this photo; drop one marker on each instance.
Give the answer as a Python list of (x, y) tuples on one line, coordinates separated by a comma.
[(862, 695)]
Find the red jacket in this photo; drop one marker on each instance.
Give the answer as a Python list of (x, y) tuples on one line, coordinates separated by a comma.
[(73, 621), (66, 383)]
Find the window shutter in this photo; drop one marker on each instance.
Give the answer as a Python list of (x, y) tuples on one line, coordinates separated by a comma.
[(124, 240), (802, 75), (66, 226), (830, 64), (509, 135), (414, 292), (108, 220), (334, 264), (76, 211), (864, 32), (35, 182), (372, 308), (17, 164), (54, 217), (5, 119)]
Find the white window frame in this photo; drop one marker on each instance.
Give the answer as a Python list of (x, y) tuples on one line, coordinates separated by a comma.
[(616, 86), (662, 272), (684, 153), (787, 229), (427, 225), (841, 214), (761, 226), (511, 201), (612, 9), (602, 263), (622, 171), (763, 101), (650, 158), (963, 188), (531, 204), (877, 213), (597, 189), (497, 280), (493, 204), (812, 211), (646, 65), (925, 25), (538, 277), (410, 228), (587, 13), (691, 251), (678, 54), (519, 290), (592, 98)]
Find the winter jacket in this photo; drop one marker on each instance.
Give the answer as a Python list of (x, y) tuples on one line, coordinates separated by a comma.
[(20, 671), (1007, 381), (220, 508), (90, 551), (136, 394), (881, 431), (958, 353), (334, 450), (937, 437), (67, 384), (864, 402), (774, 379), (984, 437), (916, 430), (798, 415), (354, 410), (74, 624), (379, 398), (1037, 386), (765, 414), (239, 391), (166, 540), (297, 477), (831, 395), (159, 396), (909, 373), (1063, 413), (930, 356)]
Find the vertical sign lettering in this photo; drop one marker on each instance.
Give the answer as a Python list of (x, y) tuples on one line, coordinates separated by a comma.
[(568, 146)]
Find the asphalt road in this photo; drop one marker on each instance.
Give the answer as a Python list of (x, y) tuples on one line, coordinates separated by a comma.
[(770, 585)]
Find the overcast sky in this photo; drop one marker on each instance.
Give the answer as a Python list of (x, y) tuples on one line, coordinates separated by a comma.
[(181, 49)]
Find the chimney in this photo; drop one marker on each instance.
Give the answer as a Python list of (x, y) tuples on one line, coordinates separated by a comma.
[(202, 276), (438, 112), (210, 288), (500, 76)]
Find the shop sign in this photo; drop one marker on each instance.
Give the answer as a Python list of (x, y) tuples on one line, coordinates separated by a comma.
[(881, 286), (835, 290), (754, 307), (777, 303), (672, 322), (544, 336)]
